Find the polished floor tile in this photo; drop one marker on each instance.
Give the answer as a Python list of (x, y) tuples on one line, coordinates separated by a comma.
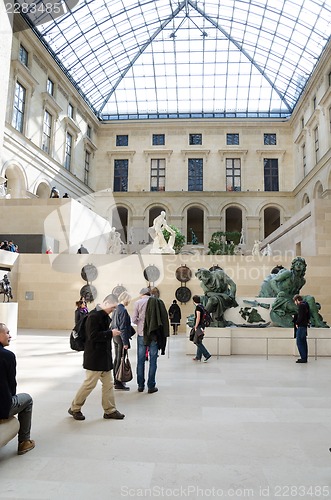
[(235, 427)]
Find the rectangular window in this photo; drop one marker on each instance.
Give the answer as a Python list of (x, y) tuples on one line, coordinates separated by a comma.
[(304, 160), (87, 166), (232, 139), (233, 174), (68, 151), (302, 123), (270, 139), (89, 132), (50, 87), (23, 56), (314, 102), (121, 168), (158, 140), (47, 132), (19, 107), (122, 140), (195, 139), (271, 174), (317, 145), (70, 111), (195, 174), (158, 175)]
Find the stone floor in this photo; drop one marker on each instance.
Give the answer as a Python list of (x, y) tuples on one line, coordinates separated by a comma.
[(236, 427)]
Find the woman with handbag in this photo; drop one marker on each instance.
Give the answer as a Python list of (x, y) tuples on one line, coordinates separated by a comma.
[(199, 331), (175, 316), (121, 321)]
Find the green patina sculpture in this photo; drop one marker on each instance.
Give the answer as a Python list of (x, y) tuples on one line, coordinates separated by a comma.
[(251, 315), (219, 293), (284, 285)]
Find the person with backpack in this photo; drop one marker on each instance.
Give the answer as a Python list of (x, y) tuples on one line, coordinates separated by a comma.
[(81, 310), (175, 316), (98, 361), (301, 322), (199, 330)]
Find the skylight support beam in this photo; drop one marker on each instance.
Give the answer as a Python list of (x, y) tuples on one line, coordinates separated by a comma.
[(242, 50), (141, 51)]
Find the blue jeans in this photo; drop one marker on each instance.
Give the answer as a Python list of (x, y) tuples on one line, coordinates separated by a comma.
[(202, 351), (22, 407), (301, 336), (141, 359)]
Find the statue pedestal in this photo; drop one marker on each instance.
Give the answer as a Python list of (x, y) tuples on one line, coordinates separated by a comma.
[(269, 341), (8, 315)]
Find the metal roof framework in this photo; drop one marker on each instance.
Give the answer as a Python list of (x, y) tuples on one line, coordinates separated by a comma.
[(186, 58)]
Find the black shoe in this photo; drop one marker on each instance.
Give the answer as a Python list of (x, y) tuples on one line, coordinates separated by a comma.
[(301, 361), (141, 389), (121, 387), (153, 389), (115, 415), (76, 414)]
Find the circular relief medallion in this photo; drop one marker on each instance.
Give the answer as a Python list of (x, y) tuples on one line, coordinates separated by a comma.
[(151, 273), (89, 292), (214, 268), (118, 290), (183, 294), (89, 273), (183, 273)]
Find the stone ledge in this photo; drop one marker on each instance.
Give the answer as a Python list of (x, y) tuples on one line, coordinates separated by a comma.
[(269, 341), (8, 430)]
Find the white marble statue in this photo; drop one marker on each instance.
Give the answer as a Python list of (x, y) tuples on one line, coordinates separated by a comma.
[(115, 244), (3, 189), (156, 232), (256, 248), (266, 250)]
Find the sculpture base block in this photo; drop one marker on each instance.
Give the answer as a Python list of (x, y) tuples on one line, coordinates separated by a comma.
[(270, 341)]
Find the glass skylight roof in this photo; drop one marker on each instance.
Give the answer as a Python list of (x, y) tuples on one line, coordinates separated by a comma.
[(164, 58)]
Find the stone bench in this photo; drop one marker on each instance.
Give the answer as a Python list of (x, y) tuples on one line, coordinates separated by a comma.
[(9, 428)]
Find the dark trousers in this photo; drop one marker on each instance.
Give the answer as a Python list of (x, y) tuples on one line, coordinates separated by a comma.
[(302, 345), (118, 345), (22, 407)]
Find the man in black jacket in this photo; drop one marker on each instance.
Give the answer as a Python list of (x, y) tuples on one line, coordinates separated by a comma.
[(301, 322), (10, 402), (98, 361)]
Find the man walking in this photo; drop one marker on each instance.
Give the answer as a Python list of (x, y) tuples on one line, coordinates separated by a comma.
[(301, 322), (98, 361), (10, 402)]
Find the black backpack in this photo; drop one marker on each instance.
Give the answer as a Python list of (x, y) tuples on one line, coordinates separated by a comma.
[(78, 335), (206, 318)]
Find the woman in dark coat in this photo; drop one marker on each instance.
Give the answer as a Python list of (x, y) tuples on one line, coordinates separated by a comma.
[(122, 322), (175, 316)]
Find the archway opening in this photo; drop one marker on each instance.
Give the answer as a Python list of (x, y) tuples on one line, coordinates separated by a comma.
[(271, 220), (195, 226), (120, 222), (43, 190), (233, 219), (16, 186)]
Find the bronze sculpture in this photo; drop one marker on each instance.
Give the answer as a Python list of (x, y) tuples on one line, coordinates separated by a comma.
[(219, 293), (284, 285)]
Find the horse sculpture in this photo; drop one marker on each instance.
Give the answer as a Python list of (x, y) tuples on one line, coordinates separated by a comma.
[(5, 288)]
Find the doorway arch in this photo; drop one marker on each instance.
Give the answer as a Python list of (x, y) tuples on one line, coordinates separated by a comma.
[(195, 223), (271, 220), (119, 220)]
